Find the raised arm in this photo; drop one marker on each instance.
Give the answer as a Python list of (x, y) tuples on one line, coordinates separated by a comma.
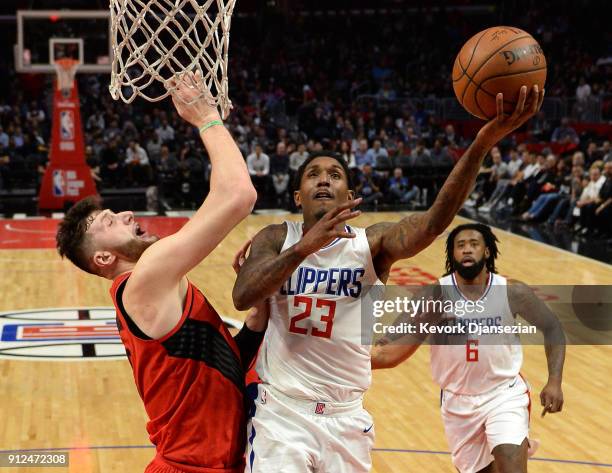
[(267, 268), (231, 198), (524, 302), (393, 241)]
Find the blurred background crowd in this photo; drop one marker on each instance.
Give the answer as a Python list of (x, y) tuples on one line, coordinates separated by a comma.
[(371, 84)]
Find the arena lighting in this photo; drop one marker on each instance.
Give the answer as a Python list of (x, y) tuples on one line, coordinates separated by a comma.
[(54, 18)]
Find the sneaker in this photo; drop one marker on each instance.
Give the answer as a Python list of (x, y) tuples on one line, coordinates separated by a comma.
[(470, 203), (486, 208)]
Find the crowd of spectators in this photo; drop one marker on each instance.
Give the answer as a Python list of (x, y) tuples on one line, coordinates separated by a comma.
[(294, 81), (572, 190)]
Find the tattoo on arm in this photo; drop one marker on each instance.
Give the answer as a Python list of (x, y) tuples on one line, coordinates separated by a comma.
[(266, 268), (417, 231), (390, 242), (457, 187)]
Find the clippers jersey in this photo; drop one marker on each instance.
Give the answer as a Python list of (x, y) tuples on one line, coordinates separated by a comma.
[(192, 384), (477, 368), (313, 349)]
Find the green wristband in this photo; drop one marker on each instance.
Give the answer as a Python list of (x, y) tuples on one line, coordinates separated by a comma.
[(205, 127)]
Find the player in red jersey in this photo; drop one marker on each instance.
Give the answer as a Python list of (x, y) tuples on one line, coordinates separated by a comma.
[(188, 369)]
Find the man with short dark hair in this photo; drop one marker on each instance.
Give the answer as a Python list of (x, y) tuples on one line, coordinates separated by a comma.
[(420, 156), (400, 188), (565, 134), (137, 164), (297, 157), (313, 364), (368, 187), (279, 170), (258, 164), (439, 155), (375, 153), (362, 155), (167, 175)]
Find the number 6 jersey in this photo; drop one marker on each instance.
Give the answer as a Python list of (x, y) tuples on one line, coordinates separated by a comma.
[(313, 348), (484, 361)]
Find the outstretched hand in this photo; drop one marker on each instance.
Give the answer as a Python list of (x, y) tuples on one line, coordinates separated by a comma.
[(186, 91), (503, 124), (326, 229)]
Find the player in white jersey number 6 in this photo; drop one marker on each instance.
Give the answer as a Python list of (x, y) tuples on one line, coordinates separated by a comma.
[(485, 402), (312, 363)]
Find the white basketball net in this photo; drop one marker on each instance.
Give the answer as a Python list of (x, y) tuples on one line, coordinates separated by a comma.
[(158, 40), (65, 70)]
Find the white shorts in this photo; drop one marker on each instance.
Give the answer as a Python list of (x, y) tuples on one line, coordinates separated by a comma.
[(475, 425), (293, 436)]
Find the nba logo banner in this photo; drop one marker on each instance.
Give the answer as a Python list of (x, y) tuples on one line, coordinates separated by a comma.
[(58, 183), (67, 178), (67, 125), (320, 408)]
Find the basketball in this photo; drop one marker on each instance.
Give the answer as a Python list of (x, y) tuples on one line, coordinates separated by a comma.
[(498, 59)]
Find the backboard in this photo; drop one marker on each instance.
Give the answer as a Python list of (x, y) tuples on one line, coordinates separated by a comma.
[(46, 35)]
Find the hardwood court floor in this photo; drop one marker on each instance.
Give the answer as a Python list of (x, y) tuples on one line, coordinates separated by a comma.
[(93, 407)]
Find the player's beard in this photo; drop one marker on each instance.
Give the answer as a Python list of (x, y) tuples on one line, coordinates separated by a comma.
[(133, 250), (319, 214), (468, 272), (321, 209)]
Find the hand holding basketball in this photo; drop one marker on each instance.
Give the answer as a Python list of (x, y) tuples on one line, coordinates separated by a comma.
[(503, 124), (498, 59), (189, 102)]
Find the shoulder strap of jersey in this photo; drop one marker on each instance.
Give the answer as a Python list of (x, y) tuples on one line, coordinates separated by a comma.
[(446, 280), (361, 237), (117, 295), (118, 281), (294, 234), (499, 280)]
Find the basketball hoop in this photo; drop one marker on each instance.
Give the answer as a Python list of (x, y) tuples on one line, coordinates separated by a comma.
[(65, 69), (159, 40)]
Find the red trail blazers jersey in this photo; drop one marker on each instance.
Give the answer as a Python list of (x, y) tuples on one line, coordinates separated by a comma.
[(192, 384)]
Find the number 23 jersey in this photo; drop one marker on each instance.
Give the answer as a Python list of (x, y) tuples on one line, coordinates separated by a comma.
[(313, 347)]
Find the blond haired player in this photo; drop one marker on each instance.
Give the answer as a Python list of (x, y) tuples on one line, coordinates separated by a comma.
[(188, 369)]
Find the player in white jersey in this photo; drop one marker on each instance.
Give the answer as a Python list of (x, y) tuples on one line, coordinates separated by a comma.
[(485, 402), (313, 364)]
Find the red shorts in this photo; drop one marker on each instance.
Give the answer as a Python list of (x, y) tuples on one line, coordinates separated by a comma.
[(159, 465)]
